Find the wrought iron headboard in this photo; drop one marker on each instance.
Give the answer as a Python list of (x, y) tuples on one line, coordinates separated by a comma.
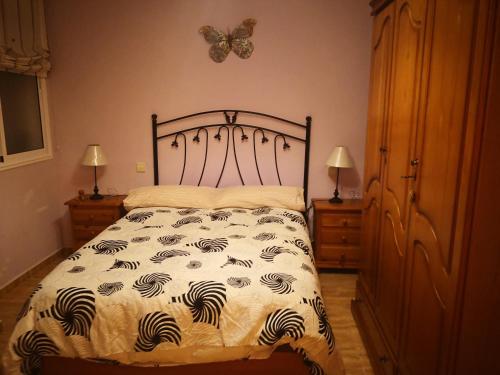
[(230, 126)]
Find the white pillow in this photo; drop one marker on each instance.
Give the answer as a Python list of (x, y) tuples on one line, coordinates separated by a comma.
[(290, 197), (171, 196)]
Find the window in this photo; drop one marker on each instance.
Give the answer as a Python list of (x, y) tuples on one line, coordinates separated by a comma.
[(24, 125)]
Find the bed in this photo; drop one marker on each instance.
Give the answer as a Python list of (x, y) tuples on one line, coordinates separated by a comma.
[(191, 279)]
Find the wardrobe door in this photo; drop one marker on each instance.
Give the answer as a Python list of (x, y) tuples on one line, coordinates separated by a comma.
[(382, 36), (406, 75), (480, 325), (442, 174)]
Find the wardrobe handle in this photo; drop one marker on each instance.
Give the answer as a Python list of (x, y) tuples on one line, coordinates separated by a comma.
[(383, 149), (413, 196), (383, 359), (414, 162), (411, 177)]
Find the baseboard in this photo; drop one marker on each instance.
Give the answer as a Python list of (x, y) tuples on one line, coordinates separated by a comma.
[(61, 253)]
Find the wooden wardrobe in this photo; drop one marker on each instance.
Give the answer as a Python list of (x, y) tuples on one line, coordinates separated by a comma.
[(429, 282)]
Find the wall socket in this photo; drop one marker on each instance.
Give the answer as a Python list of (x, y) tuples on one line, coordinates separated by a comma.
[(140, 167), (354, 194)]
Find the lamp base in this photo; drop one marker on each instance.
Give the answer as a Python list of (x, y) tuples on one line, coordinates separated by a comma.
[(335, 200), (96, 197)]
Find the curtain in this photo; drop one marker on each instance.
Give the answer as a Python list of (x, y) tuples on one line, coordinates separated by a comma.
[(23, 37)]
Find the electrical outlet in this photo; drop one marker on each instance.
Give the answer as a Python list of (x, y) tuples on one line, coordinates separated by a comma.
[(355, 194), (140, 167)]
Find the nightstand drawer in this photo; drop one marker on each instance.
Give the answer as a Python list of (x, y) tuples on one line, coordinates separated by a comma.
[(94, 217), (344, 256), (82, 232), (336, 236), (90, 217), (341, 220), (79, 243)]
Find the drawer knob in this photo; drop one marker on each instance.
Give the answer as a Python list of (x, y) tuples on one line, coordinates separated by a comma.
[(344, 239), (345, 222)]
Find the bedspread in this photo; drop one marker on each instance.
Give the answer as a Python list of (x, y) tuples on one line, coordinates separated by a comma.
[(174, 286)]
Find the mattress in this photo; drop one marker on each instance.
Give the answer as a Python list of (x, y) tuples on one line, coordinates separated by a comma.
[(169, 286)]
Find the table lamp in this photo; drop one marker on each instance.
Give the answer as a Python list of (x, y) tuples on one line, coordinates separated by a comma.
[(339, 158), (94, 157)]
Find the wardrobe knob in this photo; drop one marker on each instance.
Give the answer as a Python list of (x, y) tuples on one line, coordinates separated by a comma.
[(414, 162), (413, 196)]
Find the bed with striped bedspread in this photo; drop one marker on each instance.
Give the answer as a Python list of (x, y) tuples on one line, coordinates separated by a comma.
[(173, 286)]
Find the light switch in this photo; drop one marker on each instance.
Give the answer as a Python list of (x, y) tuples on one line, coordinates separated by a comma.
[(140, 167)]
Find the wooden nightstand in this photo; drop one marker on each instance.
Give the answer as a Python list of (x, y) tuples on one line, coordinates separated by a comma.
[(89, 218), (337, 233)]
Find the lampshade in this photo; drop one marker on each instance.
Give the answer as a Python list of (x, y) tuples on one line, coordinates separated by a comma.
[(94, 156), (340, 158)]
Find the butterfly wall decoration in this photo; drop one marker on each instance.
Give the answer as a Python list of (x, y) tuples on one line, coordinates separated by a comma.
[(237, 41)]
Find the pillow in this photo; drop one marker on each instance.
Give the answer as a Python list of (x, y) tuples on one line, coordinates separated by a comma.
[(171, 196), (207, 197), (290, 197)]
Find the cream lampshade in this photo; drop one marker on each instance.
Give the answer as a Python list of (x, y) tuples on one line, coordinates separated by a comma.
[(94, 157), (339, 158)]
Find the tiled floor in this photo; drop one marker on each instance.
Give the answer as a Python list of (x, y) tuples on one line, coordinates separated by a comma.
[(338, 290)]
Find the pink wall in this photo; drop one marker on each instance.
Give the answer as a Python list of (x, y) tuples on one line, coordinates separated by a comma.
[(115, 63), (30, 212)]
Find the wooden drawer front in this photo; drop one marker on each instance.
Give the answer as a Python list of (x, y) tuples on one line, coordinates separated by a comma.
[(341, 220), (336, 236), (79, 243), (82, 232), (94, 217), (341, 254)]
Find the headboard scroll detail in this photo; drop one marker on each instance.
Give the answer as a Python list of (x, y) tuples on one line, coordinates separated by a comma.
[(230, 131)]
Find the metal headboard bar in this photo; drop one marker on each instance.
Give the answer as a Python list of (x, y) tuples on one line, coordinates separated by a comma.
[(234, 124), (234, 111), (231, 126)]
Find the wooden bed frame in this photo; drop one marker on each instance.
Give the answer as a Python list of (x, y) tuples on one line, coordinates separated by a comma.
[(283, 361)]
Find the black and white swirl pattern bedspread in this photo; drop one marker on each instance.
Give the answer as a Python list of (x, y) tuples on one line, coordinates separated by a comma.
[(163, 279)]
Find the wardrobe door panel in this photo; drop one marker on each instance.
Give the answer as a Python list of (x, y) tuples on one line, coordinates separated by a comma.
[(401, 129), (377, 114), (391, 267), (480, 325), (439, 185)]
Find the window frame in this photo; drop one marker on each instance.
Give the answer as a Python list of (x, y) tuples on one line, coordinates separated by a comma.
[(34, 156)]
